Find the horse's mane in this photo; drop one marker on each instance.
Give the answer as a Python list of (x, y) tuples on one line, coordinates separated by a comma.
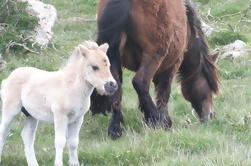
[(208, 67)]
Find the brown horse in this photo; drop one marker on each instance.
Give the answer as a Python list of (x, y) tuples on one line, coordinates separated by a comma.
[(156, 39)]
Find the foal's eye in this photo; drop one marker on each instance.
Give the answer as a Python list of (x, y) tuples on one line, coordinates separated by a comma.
[(95, 68)]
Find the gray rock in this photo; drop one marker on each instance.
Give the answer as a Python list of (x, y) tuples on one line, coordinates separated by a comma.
[(235, 49), (207, 29), (47, 15)]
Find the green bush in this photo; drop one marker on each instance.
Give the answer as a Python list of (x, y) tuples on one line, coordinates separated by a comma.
[(15, 24), (224, 38)]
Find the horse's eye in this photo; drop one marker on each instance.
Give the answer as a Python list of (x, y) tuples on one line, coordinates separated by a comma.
[(95, 68)]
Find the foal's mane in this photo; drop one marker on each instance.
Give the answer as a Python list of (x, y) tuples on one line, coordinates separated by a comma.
[(76, 52)]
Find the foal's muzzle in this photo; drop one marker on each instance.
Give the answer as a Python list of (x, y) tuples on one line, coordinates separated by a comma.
[(111, 87)]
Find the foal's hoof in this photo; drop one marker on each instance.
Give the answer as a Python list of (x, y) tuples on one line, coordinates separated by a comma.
[(74, 164), (159, 121), (115, 131)]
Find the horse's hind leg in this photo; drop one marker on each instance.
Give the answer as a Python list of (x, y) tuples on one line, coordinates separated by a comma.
[(28, 136), (10, 109), (162, 84)]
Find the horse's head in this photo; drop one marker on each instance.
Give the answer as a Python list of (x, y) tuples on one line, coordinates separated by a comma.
[(97, 68)]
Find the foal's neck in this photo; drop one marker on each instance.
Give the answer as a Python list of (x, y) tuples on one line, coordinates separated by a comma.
[(73, 74)]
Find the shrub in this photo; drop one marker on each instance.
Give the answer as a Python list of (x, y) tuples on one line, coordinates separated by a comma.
[(15, 24)]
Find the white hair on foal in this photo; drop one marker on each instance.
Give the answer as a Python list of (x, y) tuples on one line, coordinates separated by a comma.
[(88, 44), (61, 97)]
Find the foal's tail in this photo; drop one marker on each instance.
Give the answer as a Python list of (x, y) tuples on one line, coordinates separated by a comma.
[(198, 45)]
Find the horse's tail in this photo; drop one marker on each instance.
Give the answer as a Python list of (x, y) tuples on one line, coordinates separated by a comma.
[(198, 45), (112, 23)]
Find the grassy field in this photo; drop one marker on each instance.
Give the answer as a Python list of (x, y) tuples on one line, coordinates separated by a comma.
[(223, 141)]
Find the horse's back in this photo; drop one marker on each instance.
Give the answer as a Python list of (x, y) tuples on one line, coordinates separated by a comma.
[(159, 26)]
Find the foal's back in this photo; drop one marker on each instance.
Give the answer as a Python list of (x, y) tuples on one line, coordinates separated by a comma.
[(16, 80), (20, 77), (28, 82)]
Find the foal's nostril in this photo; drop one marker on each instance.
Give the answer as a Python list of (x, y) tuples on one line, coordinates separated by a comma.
[(111, 87)]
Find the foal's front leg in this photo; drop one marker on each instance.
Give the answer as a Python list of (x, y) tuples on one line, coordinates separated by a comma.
[(28, 136), (73, 140), (60, 125)]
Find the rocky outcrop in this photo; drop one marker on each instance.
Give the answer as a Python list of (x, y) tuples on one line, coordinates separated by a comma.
[(235, 49), (47, 15), (207, 29)]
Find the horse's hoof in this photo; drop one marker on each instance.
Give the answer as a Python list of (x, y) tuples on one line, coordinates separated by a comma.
[(159, 121), (211, 115), (167, 122), (115, 131)]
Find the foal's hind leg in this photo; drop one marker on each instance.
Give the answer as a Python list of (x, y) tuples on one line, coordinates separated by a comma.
[(10, 109), (28, 136)]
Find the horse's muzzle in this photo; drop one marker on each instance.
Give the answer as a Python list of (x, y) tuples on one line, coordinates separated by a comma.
[(111, 87)]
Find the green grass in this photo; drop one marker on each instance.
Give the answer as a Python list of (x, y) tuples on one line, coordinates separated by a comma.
[(223, 141)]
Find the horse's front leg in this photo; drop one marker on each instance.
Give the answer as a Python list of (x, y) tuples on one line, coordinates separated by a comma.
[(141, 82), (115, 129), (73, 140), (60, 125)]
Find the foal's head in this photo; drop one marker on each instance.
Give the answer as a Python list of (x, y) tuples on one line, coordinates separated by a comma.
[(97, 67)]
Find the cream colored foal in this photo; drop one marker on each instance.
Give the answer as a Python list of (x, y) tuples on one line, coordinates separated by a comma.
[(62, 97)]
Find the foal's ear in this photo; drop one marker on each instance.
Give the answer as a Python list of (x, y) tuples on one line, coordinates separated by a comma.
[(84, 50), (104, 47)]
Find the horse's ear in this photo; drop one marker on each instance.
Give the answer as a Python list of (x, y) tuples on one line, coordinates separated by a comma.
[(84, 50), (104, 47)]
